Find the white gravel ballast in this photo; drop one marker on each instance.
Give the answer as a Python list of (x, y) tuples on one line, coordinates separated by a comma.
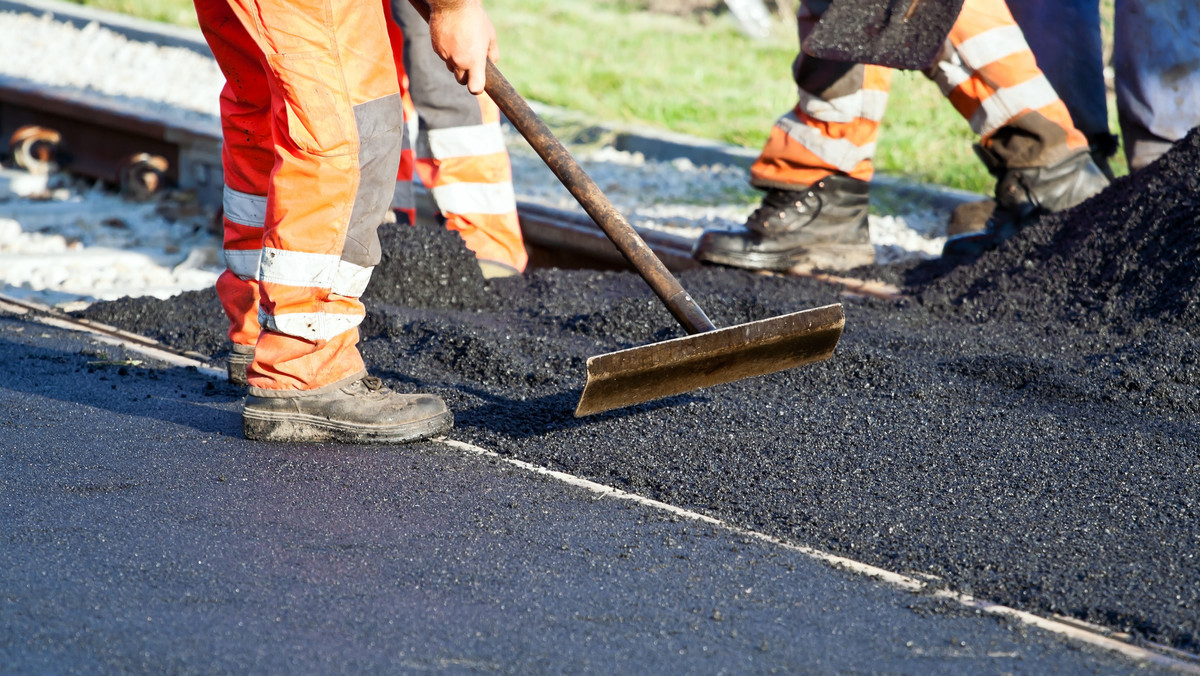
[(64, 241)]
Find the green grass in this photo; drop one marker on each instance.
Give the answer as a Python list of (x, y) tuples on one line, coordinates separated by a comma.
[(605, 59), (178, 12)]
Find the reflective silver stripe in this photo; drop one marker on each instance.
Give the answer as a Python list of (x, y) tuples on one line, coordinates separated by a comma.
[(480, 139), (1000, 108), (868, 104), (298, 269), (475, 198), (243, 263), (351, 280), (950, 72), (322, 271), (244, 208), (838, 153), (992, 45), (309, 325)]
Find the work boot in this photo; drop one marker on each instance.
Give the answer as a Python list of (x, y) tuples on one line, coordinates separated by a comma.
[(821, 226), (1024, 195), (361, 411), (237, 362)]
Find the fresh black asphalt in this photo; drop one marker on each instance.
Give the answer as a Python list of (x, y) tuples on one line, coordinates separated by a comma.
[(141, 534)]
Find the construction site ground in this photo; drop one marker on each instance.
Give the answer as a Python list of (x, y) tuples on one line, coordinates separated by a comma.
[(998, 471), (1014, 438)]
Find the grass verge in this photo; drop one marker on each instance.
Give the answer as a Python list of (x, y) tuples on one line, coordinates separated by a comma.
[(616, 63)]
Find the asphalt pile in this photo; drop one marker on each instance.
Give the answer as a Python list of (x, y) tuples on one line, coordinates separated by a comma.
[(1024, 427)]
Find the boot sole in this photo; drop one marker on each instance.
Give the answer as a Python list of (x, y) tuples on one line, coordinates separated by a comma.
[(298, 427), (830, 257)]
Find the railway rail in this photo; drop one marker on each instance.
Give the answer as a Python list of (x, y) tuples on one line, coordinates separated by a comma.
[(142, 150), (140, 154), (52, 129)]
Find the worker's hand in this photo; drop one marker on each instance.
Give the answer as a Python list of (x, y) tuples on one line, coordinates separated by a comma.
[(463, 35)]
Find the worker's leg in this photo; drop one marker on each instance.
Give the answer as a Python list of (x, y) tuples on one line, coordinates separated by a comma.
[(1064, 36), (1156, 56), (815, 169), (336, 117), (461, 155), (248, 153), (1040, 159), (404, 199)]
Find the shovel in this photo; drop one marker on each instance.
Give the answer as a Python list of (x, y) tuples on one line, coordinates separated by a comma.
[(905, 34), (709, 356)]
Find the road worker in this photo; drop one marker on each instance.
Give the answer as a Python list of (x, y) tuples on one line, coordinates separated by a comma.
[(312, 117), (1156, 69), (816, 165), (459, 151)]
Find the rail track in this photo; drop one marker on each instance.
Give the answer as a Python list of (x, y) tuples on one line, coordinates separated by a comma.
[(140, 155), (141, 151)]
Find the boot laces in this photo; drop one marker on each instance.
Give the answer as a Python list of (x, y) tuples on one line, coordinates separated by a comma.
[(370, 387), (773, 214)]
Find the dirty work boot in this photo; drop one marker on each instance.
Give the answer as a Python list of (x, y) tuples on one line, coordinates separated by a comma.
[(360, 411), (1025, 194), (821, 226), (236, 363)]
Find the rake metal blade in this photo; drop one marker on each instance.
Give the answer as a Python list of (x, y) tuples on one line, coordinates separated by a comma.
[(671, 367)]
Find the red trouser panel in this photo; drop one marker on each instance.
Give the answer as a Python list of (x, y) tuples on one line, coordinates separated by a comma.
[(247, 158), (986, 71), (313, 88)]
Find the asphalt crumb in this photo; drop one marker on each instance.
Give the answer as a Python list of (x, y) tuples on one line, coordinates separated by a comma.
[(1025, 425)]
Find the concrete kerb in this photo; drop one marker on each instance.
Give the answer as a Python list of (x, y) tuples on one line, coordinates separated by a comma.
[(654, 144)]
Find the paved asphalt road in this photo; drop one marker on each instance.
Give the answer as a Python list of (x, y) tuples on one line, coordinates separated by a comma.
[(139, 533)]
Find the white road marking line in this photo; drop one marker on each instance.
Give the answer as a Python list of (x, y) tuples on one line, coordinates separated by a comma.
[(1182, 662)]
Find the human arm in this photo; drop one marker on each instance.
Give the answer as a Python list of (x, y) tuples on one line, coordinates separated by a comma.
[(463, 36)]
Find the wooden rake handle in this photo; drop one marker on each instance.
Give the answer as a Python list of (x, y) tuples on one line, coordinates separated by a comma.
[(575, 179)]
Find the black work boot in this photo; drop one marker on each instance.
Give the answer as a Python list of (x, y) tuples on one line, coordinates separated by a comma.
[(237, 362), (361, 410), (1025, 194), (821, 226)]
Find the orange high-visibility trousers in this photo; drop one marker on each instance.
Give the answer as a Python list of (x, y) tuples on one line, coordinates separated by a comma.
[(312, 119), (457, 146), (986, 70)]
